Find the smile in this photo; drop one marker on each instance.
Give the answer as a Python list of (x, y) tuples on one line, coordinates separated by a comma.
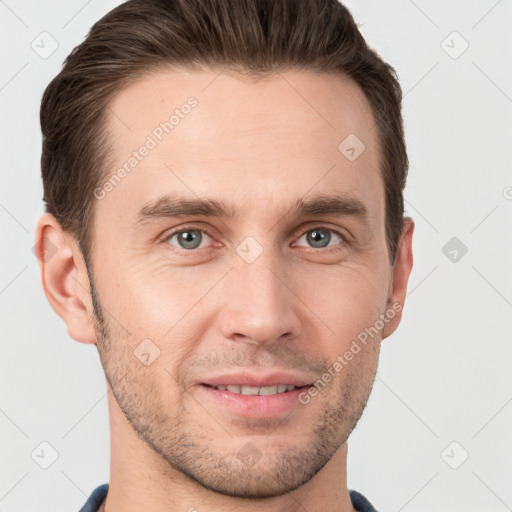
[(252, 390)]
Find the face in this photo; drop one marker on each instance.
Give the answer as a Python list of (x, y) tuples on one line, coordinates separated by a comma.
[(279, 273)]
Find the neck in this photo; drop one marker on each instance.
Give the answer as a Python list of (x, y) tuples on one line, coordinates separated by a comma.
[(142, 480)]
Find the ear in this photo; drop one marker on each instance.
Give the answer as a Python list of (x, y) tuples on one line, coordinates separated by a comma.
[(64, 278), (399, 278)]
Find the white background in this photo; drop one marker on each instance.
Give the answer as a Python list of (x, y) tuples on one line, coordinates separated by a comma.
[(444, 376)]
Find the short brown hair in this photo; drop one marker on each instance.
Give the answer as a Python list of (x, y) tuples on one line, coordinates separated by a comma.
[(245, 36)]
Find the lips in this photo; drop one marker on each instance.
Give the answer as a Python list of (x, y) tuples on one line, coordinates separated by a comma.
[(255, 394), (260, 406), (255, 390), (259, 381)]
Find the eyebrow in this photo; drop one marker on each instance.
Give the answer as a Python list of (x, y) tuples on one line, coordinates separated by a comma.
[(174, 206)]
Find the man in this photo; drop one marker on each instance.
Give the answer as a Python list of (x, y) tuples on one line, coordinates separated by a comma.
[(223, 183)]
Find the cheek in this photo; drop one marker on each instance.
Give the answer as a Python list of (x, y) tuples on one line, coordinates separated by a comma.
[(347, 300), (171, 306), (144, 297)]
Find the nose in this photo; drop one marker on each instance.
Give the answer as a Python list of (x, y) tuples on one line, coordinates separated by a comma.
[(260, 304)]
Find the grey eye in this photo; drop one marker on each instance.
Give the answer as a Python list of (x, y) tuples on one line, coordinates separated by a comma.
[(319, 238), (188, 239)]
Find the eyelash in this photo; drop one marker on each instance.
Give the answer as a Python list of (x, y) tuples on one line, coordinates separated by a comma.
[(339, 247)]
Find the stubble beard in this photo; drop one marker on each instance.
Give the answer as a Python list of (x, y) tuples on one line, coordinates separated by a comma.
[(196, 454)]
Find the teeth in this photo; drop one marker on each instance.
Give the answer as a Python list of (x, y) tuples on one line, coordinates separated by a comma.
[(251, 390), (268, 390)]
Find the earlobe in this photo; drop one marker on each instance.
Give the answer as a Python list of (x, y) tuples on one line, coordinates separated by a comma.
[(64, 278), (399, 278)]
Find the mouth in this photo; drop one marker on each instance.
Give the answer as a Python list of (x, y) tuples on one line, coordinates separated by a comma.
[(256, 396), (253, 390)]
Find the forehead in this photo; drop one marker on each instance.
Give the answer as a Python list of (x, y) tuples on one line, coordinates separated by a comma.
[(218, 134)]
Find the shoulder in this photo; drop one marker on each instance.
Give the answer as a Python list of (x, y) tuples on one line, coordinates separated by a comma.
[(360, 503), (95, 499)]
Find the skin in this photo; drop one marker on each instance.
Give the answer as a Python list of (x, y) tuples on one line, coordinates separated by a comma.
[(260, 145)]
